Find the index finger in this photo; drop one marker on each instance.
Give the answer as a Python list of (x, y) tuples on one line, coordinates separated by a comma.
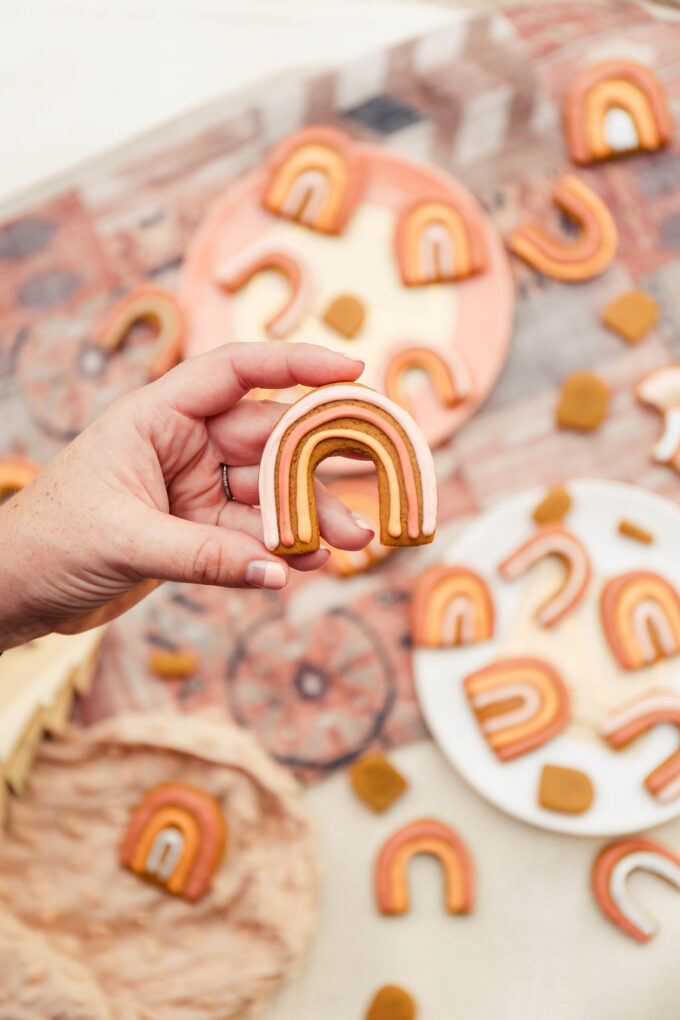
[(213, 382)]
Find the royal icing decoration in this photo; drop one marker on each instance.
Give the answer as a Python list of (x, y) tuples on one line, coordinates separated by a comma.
[(176, 837), (315, 177), (361, 497), (661, 391), (552, 540), (615, 107), (610, 874), (426, 836), (341, 418), (241, 268), (160, 310), (450, 606), (641, 618), (589, 255), (629, 722), (15, 473), (438, 242), (519, 704), (447, 372)]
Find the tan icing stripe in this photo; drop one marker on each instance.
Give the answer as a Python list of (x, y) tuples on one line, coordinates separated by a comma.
[(549, 710), (444, 592)]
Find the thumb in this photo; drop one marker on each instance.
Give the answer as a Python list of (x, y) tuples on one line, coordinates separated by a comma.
[(173, 549)]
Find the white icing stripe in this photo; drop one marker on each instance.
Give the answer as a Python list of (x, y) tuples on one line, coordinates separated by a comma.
[(619, 130), (326, 395), (530, 696), (165, 853), (458, 611), (645, 860), (646, 612), (552, 545), (667, 446), (652, 704)]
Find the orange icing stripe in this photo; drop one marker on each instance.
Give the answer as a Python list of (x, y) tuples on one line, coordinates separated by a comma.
[(451, 379), (158, 307), (207, 816), (596, 89), (424, 836), (316, 177), (636, 608), (436, 242), (438, 589), (590, 255)]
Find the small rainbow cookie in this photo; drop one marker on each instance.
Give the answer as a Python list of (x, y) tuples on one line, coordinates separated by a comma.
[(631, 721), (609, 880), (589, 255), (660, 390), (425, 836), (176, 837), (615, 107), (552, 540), (346, 418), (15, 473), (449, 375), (641, 618), (240, 269), (359, 495), (160, 310), (438, 242), (519, 704), (315, 177), (450, 606)]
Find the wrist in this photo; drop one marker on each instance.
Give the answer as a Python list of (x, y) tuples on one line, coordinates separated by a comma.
[(19, 621)]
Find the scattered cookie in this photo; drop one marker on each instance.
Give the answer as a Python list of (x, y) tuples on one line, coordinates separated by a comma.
[(425, 836), (448, 374), (450, 606), (627, 723), (345, 314), (569, 791), (157, 307), (660, 389), (172, 665), (519, 704), (438, 242), (615, 107), (612, 867), (632, 315), (588, 256), (346, 417), (640, 613), (583, 402), (554, 506), (634, 531), (391, 1003), (552, 540), (376, 782)]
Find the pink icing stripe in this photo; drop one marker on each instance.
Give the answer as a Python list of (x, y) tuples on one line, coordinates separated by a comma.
[(321, 418)]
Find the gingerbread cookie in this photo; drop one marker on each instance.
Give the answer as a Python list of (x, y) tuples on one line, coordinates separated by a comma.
[(450, 606), (632, 530), (554, 506), (346, 418), (447, 373), (438, 242), (15, 473), (173, 665), (345, 314), (569, 791), (426, 836), (571, 261), (315, 177), (641, 618), (611, 870), (391, 1003), (519, 704), (552, 540), (629, 722), (262, 257), (162, 311), (376, 782), (632, 315), (583, 403), (615, 107), (661, 391)]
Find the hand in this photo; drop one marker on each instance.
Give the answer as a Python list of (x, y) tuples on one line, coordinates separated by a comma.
[(138, 498)]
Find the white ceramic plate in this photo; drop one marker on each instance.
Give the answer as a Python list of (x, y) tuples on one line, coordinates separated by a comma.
[(576, 647)]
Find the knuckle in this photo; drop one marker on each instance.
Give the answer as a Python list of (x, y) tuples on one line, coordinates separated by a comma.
[(209, 565)]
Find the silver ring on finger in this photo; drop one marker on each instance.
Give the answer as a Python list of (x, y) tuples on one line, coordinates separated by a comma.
[(225, 484)]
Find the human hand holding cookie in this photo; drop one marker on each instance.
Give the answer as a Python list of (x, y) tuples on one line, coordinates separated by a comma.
[(140, 495)]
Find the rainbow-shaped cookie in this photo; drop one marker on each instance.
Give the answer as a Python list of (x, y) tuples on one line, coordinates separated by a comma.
[(162, 311), (346, 417), (611, 870), (450, 605), (625, 724), (519, 704), (641, 618), (447, 372), (438, 242)]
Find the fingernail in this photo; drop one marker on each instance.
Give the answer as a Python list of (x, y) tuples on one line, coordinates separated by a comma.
[(362, 524), (355, 361), (265, 574)]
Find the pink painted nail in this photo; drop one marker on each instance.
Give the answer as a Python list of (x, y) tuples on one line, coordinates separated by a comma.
[(265, 574)]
